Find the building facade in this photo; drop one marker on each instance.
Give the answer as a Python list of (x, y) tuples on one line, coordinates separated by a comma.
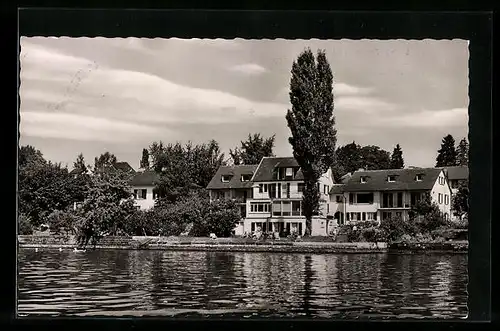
[(381, 194), (143, 185), (270, 196)]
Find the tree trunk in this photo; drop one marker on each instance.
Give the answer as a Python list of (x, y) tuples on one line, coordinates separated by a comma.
[(307, 230)]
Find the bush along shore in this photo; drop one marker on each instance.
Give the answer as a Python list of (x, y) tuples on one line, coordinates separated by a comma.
[(237, 244)]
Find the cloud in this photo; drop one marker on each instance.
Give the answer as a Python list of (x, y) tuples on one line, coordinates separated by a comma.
[(80, 127), (117, 97), (456, 117), (364, 104), (341, 89), (228, 44), (249, 69)]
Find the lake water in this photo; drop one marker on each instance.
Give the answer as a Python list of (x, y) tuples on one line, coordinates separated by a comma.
[(241, 285)]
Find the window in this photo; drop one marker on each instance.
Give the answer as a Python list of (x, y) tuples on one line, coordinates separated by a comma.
[(391, 178), (415, 198), (358, 216), (338, 198), (265, 187), (441, 180), (300, 187), (327, 208), (296, 208), (325, 189), (144, 193), (226, 178), (286, 208), (400, 200), (446, 199), (245, 178), (135, 194), (289, 173), (440, 198), (277, 208), (418, 177), (288, 190), (259, 207), (253, 226), (351, 198), (363, 179), (347, 216), (279, 190), (387, 200), (364, 198), (364, 217), (261, 188)]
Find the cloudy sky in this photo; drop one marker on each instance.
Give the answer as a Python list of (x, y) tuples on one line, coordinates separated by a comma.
[(93, 95)]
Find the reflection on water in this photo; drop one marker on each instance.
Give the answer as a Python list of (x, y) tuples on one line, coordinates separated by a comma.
[(142, 283)]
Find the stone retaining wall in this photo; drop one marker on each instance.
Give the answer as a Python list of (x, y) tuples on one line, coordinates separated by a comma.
[(234, 244)]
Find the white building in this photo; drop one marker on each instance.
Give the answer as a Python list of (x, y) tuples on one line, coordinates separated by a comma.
[(382, 194), (271, 196), (143, 185)]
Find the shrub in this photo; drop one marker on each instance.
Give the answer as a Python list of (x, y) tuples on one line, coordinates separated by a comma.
[(219, 217), (373, 234), (60, 221), (25, 227), (395, 228)]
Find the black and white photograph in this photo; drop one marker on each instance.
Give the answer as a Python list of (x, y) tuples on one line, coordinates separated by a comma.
[(243, 178)]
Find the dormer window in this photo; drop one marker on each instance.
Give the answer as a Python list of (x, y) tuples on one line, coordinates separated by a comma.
[(245, 178), (363, 179), (289, 173), (418, 177), (391, 178), (226, 178)]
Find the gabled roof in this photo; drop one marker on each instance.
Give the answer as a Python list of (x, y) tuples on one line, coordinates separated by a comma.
[(235, 182), (144, 178), (457, 172), (376, 180), (124, 166), (337, 189), (265, 170)]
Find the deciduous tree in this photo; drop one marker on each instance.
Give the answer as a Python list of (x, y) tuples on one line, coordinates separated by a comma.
[(311, 122), (253, 149), (460, 200), (463, 153)]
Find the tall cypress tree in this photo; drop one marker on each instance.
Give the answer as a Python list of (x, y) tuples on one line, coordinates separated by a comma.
[(447, 155), (311, 123), (145, 159), (463, 153), (397, 161)]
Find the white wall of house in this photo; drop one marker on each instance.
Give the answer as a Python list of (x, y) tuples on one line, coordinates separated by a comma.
[(142, 203), (441, 194)]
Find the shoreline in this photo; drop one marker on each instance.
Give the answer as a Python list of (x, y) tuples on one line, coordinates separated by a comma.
[(234, 245)]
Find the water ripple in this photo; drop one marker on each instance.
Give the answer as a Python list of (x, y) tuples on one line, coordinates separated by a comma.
[(241, 285)]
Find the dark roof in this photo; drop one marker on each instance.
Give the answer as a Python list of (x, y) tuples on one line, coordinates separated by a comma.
[(235, 182), (376, 180), (457, 172), (337, 189), (144, 178), (124, 166), (265, 170)]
